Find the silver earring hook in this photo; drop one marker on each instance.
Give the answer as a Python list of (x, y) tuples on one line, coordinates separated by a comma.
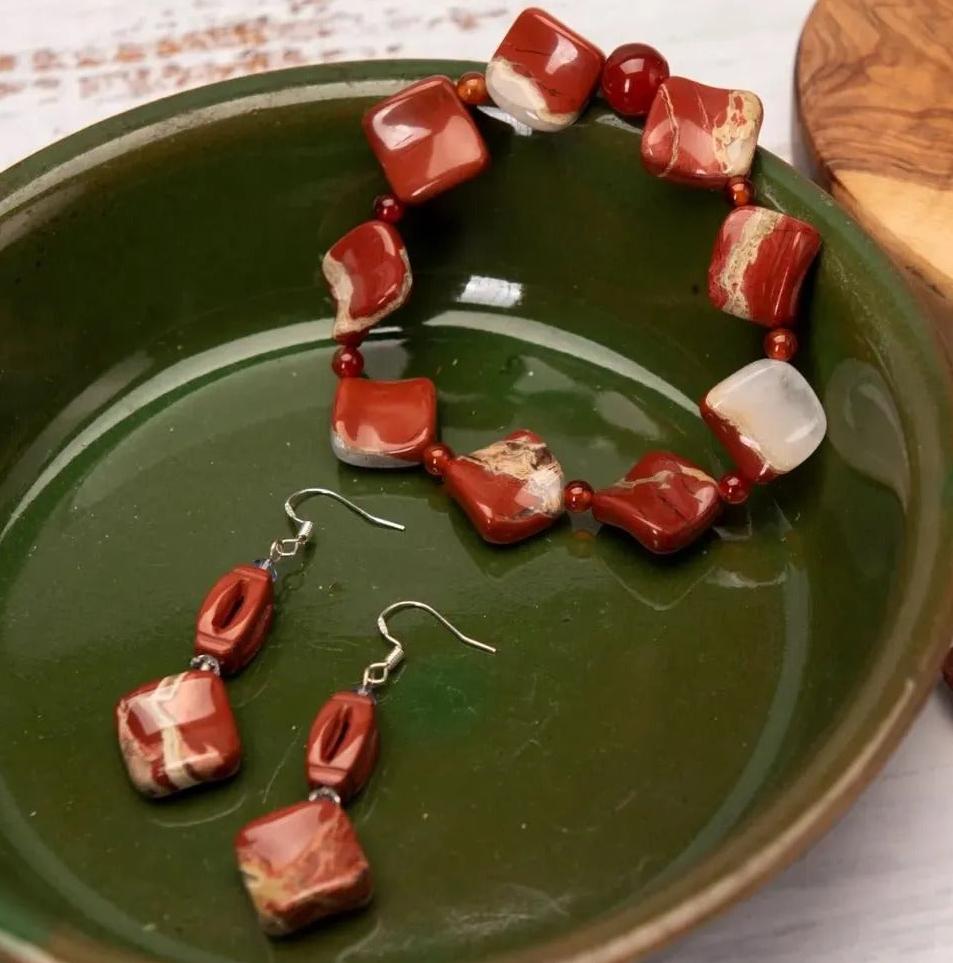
[(377, 673), (287, 547)]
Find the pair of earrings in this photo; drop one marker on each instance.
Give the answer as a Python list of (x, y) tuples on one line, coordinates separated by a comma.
[(302, 863)]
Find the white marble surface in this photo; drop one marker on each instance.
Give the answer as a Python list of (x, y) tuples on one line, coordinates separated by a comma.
[(879, 888)]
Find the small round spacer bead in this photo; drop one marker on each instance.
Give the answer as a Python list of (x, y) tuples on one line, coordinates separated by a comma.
[(471, 89), (388, 208), (577, 496), (347, 362), (631, 78), (733, 489), (436, 459), (780, 344), (740, 191)]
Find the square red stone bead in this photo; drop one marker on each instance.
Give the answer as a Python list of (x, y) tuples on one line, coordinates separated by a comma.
[(701, 136), (383, 424), (665, 502), (759, 263), (369, 274), (235, 617), (510, 490), (543, 73), (178, 732), (301, 864), (425, 139)]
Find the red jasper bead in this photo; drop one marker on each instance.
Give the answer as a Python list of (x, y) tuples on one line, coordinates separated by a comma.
[(347, 362), (235, 617), (301, 864), (578, 496), (471, 89), (631, 77), (740, 191), (436, 459), (388, 208), (733, 488), (780, 344), (343, 744)]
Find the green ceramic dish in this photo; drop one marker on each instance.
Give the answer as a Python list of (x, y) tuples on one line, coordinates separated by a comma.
[(654, 737)]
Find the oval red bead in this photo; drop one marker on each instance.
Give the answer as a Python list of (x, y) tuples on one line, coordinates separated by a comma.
[(780, 344), (235, 617), (436, 459), (343, 744), (347, 362), (733, 489), (740, 191), (388, 208), (578, 496), (631, 77), (471, 89)]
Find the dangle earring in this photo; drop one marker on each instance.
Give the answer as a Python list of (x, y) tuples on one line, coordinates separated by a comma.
[(179, 731), (303, 863)]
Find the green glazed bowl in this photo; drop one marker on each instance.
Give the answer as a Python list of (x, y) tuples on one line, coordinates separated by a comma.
[(654, 738)]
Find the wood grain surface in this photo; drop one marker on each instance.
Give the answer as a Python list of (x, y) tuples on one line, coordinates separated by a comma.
[(875, 95)]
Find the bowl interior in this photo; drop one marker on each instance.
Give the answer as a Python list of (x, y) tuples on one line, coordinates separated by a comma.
[(647, 726)]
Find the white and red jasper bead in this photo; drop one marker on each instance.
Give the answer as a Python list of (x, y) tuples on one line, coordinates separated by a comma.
[(768, 418)]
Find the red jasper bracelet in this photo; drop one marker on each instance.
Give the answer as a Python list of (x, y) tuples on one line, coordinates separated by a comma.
[(765, 414)]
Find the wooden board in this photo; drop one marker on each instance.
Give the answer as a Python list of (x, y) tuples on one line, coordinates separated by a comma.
[(874, 88)]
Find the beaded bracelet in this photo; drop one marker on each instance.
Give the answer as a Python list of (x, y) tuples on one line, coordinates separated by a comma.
[(766, 414)]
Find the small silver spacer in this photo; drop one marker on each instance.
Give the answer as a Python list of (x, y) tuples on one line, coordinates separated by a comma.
[(324, 792), (206, 663), (267, 565)]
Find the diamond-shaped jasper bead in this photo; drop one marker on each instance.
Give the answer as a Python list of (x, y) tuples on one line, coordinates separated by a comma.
[(665, 502), (178, 732), (301, 864), (235, 617), (383, 424), (543, 73), (510, 490), (767, 417), (425, 140), (758, 264), (369, 275), (701, 136)]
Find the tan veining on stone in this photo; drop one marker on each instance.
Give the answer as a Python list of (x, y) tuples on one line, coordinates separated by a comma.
[(744, 252)]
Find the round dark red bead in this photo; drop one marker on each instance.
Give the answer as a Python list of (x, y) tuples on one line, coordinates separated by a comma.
[(578, 496), (631, 77), (733, 488), (436, 459), (740, 191), (388, 208), (347, 362), (780, 344), (471, 89)]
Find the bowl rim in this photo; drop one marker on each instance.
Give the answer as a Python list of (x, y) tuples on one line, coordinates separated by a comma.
[(874, 722)]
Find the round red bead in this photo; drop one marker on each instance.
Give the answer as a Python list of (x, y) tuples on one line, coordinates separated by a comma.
[(734, 489), (780, 344), (347, 362), (388, 208), (740, 191), (631, 77), (436, 459), (578, 496), (471, 89)]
